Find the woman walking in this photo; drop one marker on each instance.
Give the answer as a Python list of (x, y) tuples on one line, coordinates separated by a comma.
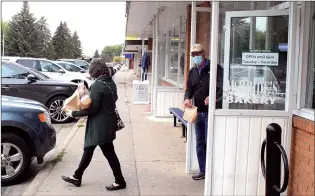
[(101, 125)]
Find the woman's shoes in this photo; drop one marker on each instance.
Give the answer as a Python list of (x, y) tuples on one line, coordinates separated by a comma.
[(114, 187), (77, 182), (72, 180)]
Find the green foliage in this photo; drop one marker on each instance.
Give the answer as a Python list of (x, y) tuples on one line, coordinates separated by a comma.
[(109, 52), (24, 36), (62, 41), (118, 59), (76, 46), (21, 38), (43, 37), (96, 54)]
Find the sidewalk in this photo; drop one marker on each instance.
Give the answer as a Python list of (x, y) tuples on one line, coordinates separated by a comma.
[(152, 156)]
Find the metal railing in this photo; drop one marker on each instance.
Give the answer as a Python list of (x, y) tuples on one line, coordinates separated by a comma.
[(272, 170)]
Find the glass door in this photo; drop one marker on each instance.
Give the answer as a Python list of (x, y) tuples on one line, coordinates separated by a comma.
[(255, 60)]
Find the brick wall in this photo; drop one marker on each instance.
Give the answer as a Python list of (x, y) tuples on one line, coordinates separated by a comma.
[(302, 157), (150, 40)]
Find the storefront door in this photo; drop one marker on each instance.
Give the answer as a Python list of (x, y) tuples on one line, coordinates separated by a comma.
[(257, 86)]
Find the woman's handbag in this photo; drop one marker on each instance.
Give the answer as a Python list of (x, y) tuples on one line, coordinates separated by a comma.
[(119, 123)]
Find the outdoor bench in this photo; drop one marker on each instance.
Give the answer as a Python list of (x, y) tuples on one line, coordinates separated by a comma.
[(178, 115)]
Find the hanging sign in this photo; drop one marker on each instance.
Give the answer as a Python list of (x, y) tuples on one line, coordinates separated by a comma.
[(140, 92), (260, 58)]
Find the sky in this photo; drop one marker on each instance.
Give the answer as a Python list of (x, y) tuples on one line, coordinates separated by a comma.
[(97, 23)]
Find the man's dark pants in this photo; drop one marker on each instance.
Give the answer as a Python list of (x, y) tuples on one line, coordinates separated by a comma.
[(201, 129)]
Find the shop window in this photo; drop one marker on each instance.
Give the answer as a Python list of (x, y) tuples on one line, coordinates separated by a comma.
[(171, 56)]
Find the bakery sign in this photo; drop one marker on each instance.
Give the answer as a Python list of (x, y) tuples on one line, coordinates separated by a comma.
[(260, 58), (258, 92)]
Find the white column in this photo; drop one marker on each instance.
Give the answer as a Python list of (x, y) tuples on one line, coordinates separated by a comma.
[(167, 55), (153, 66), (212, 95), (142, 53), (156, 79), (179, 49), (290, 94), (191, 155)]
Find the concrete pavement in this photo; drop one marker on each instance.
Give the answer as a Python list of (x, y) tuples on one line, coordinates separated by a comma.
[(152, 156)]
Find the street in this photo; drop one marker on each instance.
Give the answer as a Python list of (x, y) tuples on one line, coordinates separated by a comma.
[(18, 189)]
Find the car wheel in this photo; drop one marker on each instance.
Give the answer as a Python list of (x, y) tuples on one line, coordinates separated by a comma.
[(15, 158), (55, 110)]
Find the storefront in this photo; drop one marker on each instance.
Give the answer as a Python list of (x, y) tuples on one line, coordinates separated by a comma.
[(264, 47), (267, 52)]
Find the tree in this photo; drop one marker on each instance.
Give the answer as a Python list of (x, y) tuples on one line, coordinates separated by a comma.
[(109, 52), (21, 38), (118, 59), (43, 37), (96, 54), (76, 46), (4, 29), (62, 42)]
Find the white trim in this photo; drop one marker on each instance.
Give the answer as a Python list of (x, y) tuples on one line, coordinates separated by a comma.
[(227, 44), (180, 86), (214, 32), (203, 9), (257, 13), (156, 60), (260, 113), (305, 113), (189, 143)]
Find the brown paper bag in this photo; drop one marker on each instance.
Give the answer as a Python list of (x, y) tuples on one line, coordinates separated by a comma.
[(73, 102), (190, 114)]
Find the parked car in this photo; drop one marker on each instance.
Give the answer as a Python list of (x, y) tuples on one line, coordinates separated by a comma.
[(81, 63), (26, 132), (19, 81), (51, 69), (70, 66)]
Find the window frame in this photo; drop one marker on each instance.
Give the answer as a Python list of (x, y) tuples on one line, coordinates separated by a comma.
[(301, 71), (40, 61), (12, 66)]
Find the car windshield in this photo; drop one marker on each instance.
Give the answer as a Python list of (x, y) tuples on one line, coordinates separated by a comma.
[(69, 66), (40, 74)]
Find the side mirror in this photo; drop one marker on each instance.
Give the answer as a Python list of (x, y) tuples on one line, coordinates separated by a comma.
[(82, 71), (31, 78), (61, 71)]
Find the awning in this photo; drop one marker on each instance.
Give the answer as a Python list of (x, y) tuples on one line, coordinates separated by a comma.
[(140, 15)]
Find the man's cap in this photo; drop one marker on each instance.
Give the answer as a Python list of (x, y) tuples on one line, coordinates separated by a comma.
[(197, 48)]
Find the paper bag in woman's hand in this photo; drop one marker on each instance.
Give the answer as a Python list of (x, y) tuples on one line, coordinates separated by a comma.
[(190, 114), (73, 102)]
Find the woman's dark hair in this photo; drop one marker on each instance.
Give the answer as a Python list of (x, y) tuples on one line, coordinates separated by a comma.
[(98, 68)]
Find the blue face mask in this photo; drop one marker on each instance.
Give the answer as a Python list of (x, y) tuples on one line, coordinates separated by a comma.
[(198, 60)]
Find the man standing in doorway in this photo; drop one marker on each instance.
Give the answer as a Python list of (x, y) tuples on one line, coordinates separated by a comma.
[(197, 88)]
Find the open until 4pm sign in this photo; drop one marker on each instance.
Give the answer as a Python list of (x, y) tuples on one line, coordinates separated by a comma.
[(257, 58)]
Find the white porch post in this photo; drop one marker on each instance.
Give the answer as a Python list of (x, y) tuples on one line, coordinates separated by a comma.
[(179, 49), (167, 54), (156, 79), (142, 53), (212, 94), (191, 155), (291, 98), (153, 66)]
